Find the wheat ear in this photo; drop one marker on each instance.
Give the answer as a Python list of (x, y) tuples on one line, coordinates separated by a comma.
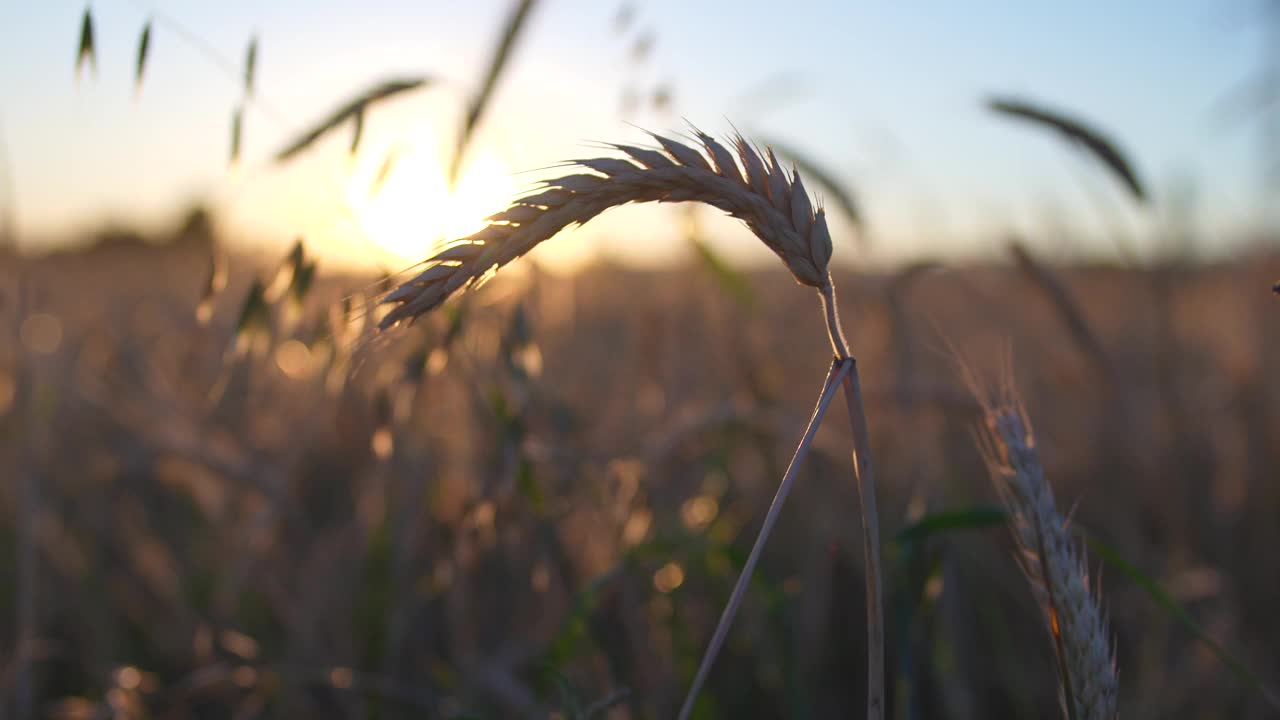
[(769, 199), (1054, 567), (746, 183)]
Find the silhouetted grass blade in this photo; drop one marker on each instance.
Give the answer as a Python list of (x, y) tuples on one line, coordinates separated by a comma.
[(384, 171), (250, 66), (1077, 131), (237, 123), (254, 312), (352, 108), (86, 52), (358, 130), (144, 46), (812, 170), (480, 101)]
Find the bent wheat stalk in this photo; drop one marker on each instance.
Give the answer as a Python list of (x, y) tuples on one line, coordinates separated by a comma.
[(1053, 566), (748, 184)]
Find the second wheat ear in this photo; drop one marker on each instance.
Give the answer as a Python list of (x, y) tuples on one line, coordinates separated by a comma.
[(747, 183)]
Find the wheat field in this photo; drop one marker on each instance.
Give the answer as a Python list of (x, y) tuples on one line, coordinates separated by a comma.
[(536, 500), (244, 485)]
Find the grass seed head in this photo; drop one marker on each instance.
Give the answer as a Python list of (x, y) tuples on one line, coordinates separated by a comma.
[(769, 199)]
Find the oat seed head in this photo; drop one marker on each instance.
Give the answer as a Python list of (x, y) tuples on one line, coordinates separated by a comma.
[(771, 200)]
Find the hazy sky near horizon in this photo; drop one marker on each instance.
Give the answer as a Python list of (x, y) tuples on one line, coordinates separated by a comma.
[(888, 95)]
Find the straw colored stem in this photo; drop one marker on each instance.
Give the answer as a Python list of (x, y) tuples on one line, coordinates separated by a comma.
[(865, 478), (831, 311), (839, 371)]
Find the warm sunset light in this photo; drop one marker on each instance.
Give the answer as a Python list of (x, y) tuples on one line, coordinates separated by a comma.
[(486, 359), (413, 208)]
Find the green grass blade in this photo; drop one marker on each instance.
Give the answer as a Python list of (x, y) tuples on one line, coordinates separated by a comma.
[(1177, 612), (475, 109), (352, 108), (237, 126), (86, 52), (250, 66), (144, 47), (942, 522), (1079, 132)]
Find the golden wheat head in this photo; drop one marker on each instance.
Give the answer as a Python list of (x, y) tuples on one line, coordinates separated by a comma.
[(746, 183)]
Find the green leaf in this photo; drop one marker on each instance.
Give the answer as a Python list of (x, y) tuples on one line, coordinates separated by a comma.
[(942, 522), (1177, 612), (144, 46), (1077, 131), (350, 109), (86, 51), (475, 109)]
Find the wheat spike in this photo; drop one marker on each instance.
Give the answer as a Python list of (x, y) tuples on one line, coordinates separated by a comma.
[(770, 200), (1053, 566)]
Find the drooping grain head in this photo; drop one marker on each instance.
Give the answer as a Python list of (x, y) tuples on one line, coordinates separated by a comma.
[(770, 200)]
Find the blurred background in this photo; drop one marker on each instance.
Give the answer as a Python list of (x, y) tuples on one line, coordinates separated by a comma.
[(225, 495)]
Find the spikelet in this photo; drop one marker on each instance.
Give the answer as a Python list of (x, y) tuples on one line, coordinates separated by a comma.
[(770, 200), (1052, 564)]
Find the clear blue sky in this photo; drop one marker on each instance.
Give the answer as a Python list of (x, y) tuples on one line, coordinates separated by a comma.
[(887, 94)]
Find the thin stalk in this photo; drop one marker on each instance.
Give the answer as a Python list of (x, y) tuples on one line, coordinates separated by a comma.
[(839, 371), (831, 311), (865, 479)]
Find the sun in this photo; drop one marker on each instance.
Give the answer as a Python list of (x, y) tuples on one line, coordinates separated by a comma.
[(410, 207)]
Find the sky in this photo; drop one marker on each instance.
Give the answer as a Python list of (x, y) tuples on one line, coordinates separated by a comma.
[(888, 96)]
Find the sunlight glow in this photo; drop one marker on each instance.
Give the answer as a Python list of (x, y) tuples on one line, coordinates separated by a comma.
[(412, 208)]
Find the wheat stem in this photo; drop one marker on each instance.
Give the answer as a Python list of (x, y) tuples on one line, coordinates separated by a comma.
[(831, 311), (744, 182), (865, 480), (839, 371)]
